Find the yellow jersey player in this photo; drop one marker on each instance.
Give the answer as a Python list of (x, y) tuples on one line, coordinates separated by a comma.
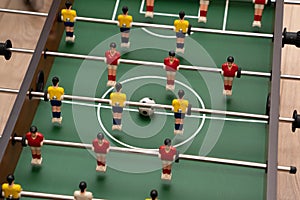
[(117, 101), (56, 94), (10, 190), (68, 16), (181, 27), (124, 22), (180, 108), (153, 195)]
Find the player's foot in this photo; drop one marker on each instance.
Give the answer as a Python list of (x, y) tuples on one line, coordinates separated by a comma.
[(109, 83), (53, 120), (180, 50), (166, 176), (119, 127), (39, 161), (113, 83), (256, 24), (33, 161), (101, 168), (228, 92), (149, 14), (202, 19), (59, 120)]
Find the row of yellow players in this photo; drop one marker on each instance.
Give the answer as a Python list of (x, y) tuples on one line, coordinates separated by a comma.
[(118, 102)]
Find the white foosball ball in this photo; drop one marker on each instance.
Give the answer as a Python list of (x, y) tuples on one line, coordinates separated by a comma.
[(146, 111)]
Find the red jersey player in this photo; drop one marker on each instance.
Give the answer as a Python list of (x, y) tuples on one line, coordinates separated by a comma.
[(259, 6), (171, 65), (112, 57), (167, 154), (149, 8), (229, 71), (35, 140), (101, 148)]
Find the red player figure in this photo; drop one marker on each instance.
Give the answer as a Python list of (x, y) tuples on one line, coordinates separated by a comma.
[(203, 10), (167, 154), (229, 71), (181, 27), (112, 57), (180, 108), (117, 101), (153, 195), (171, 65), (124, 22), (68, 16), (35, 140), (259, 6), (149, 8), (101, 148), (82, 194)]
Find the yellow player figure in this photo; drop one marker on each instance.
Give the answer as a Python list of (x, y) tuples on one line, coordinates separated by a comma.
[(153, 195), (181, 27), (56, 94), (10, 190), (82, 194), (203, 10), (68, 16), (124, 22), (180, 108), (117, 101), (149, 8)]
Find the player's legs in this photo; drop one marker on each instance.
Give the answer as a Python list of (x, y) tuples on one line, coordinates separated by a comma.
[(56, 111), (203, 11), (170, 80), (117, 117), (112, 71), (36, 155), (101, 162), (149, 8), (258, 11), (125, 37), (179, 120), (166, 170), (180, 36)]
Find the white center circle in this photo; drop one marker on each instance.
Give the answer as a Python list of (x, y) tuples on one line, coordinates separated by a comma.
[(156, 126)]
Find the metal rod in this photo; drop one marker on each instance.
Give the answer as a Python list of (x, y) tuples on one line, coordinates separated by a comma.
[(161, 106), (139, 24), (48, 196), (168, 107), (155, 153), (138, 62)]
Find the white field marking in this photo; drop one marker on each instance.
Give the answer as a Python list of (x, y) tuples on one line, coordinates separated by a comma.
[(115, 10), (225, 15)]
